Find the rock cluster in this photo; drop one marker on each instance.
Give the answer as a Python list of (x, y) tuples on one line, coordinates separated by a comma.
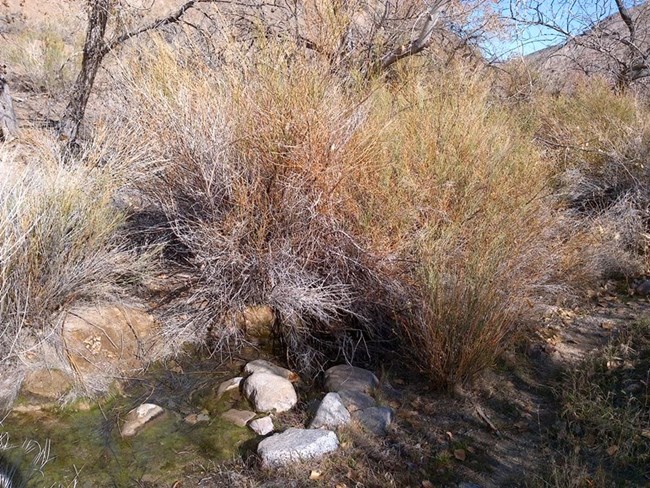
[(353, 387), (269, 390), (348, 399)]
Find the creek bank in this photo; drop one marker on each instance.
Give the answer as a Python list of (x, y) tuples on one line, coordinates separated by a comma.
[(179, 413)]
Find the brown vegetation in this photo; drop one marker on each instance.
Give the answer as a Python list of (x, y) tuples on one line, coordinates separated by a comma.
[(424, 209)]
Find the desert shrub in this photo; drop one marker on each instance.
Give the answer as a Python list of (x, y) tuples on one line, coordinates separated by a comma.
[(345, 207), (461, 189), (254, 156), (59, 238)]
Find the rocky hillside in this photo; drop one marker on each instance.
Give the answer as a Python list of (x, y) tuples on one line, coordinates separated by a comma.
[(598, 51)]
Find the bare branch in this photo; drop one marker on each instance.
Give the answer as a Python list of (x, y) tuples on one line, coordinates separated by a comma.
[(156, 24), (419, 44)]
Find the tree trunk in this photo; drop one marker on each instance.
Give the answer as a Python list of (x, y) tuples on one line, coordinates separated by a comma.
[(630, 74), (95, 49), (8, 126)]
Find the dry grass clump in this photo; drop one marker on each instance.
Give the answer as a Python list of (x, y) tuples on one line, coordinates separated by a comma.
[(599, 141), (43, 58), (59, 238)]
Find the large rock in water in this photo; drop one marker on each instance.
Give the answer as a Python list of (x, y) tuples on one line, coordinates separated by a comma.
[(103, 340), (296, 445), (344, 377), (268, 392), (331, 413), (50, 384)]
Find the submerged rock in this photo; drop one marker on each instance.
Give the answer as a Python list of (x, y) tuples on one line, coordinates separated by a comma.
[(262, 426), (262, 366), (195, 418), (268, 392), (375, 419), (296, 445), (238, 417), (331, 413), (138, 417), (344, 377), (228, 385)]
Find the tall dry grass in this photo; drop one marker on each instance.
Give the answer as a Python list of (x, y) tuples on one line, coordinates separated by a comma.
[(60, 239), (421, 208), (598, 140), (461, 189), (254, 159), (43, 57)]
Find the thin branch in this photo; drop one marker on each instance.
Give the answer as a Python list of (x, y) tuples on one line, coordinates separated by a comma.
[(170, 19)]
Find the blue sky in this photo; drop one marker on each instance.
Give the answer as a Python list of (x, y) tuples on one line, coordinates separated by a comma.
[(571, 15)]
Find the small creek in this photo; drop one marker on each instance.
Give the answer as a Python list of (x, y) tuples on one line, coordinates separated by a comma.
[(85, 444)]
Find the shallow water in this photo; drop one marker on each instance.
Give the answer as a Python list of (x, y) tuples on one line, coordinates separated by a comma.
[(85, 444)]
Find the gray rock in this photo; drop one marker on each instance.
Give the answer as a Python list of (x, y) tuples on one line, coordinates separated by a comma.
[(643, 288), (231, 384), (138, 417), (238, 417), (331, 413), (356, 400), (344, 377), (268, 392), (262, 426), (375, 419), (296, 445), (262, 366)]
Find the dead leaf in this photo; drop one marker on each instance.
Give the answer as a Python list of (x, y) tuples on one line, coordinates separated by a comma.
[(427, 484), (646, 433), (342, 486), (450, 435), (611, 450), (315, 475), (460, 454)]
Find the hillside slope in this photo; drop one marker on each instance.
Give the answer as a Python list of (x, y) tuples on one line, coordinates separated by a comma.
[(598, 51)]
